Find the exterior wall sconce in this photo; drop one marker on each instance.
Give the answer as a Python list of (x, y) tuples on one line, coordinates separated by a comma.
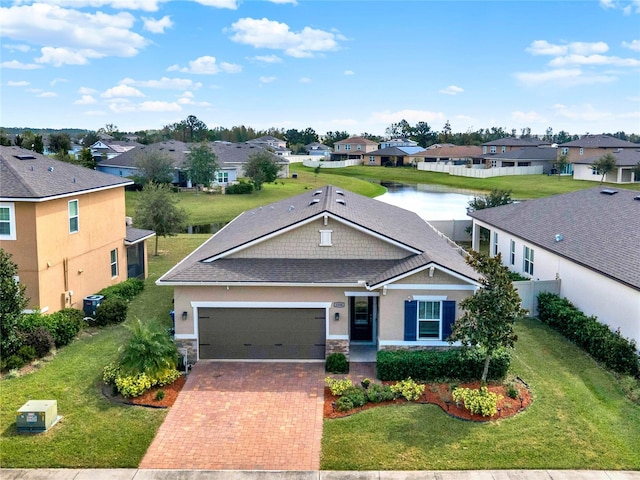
[(184, 315), (336, 316), (431, 270)]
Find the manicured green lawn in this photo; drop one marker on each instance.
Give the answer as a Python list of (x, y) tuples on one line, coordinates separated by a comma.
[(579, 419), (93, 432)]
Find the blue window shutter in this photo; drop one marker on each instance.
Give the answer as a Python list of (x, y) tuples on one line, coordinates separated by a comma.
[(410, 320), (448, 317)]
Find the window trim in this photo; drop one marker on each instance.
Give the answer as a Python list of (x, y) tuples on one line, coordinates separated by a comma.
[(512, 252), (76, 216), (431, 299), (495, 244), (12, 221), (325, 238), (493, 149), (113, 263)]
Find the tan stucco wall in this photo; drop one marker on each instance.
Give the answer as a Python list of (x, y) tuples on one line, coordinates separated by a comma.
[(573, 155), (304, 242), (43, 242)]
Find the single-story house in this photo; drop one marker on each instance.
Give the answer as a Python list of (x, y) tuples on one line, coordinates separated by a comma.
[(232, 158), (65, 227), (314, 274), (627, 159), (391, 156), (589, 240)]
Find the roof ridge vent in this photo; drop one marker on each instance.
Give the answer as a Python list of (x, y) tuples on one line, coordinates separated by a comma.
[(291, 207)]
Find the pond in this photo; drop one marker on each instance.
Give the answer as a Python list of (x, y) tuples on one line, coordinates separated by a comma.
[(431, 202)]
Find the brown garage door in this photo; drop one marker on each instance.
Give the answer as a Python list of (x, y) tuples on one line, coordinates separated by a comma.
[(263, 333)]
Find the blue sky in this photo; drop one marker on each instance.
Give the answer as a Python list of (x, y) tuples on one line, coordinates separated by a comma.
[(356, 65)]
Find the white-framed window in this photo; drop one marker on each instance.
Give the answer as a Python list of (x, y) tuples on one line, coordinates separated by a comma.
[(358, 147), (512, 252), (564, 151), (325, 238), (495, 243), (337, 147), (74, 216), (528, 260), (372, 159), (7, 221), (114, 262), (493, 149), (581, 151), (347, 147), (222, 177), (503, 149), (429, 319), (484, 149), (594, 171)]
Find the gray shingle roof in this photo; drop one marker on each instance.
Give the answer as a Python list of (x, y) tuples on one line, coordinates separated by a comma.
[(600, 231), (36, 176), (527, 153), (390, 223), (599, 141), (517, 142), (136, 235)]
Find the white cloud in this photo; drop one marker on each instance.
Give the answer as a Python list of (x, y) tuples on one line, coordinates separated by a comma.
[(16, 48), (206, 65), (187, 99), (58, 80), (159, 107), (17, 84), (122, 91), (292, 2), (267, 59), (530, 117), (594, 60), (349, 72), (19, 65), (85, 100), (585, 112), (627, 8), (95, 113), (71, 36), (267, 79), (305, 80), (47, 94), (542, 47), (411, 116), (561, 77), (230, 4), (452, 90), (265, 33), (146, 5), (164, 83), (86, 91), (157, 26), (632, 45)]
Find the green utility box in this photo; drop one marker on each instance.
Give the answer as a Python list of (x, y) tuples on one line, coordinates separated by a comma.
[(37, 415)]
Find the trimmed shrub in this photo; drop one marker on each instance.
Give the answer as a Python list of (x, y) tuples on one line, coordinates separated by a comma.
[(337, 386), (337, 363), (14, 362), (482, 401), (111, 310), (408, 389), (356, 396), (241, 188), (63, 325), (462, 364), (344, 404), (126, 290), (377, 393), (40, 339), (27, 353), (611, 348)]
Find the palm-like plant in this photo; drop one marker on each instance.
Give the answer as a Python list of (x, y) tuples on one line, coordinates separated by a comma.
[(150, 350)]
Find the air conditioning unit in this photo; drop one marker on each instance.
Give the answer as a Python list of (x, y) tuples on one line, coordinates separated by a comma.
[(37, 416)]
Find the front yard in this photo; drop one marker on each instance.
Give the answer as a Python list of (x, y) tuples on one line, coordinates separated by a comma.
[(578, 419)]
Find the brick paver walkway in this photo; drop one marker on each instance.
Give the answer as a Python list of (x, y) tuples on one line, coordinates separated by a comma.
[(243, 416)]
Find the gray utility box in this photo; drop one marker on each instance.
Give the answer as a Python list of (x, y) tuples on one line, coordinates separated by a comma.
[(37, 415)]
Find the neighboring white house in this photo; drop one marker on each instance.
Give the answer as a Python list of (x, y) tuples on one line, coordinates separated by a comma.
[(589, 240)]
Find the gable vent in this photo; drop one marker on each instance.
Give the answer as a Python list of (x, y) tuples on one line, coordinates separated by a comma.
[(341, 201), (608, 191), (314, 201)]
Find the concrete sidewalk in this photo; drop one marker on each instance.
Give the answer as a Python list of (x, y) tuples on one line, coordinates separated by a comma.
[(136, 474)]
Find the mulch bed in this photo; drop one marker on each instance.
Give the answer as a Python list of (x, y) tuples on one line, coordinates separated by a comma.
[(148, 398), (440, 394)]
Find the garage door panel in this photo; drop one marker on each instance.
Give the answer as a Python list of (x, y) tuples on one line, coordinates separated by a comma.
[(272, 333)]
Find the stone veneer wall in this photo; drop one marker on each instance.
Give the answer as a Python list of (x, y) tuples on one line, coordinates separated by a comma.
[(191, 346), (337, 346)]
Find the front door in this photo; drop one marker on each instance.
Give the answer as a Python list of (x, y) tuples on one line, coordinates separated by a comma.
[(361, 315)]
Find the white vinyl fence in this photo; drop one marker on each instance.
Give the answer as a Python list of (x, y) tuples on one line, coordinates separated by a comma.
[(529, 290)]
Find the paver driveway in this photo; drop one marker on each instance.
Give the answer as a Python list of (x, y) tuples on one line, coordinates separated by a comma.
[(243, 416)]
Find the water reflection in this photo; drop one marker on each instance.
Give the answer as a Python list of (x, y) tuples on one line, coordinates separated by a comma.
[(431, 202)]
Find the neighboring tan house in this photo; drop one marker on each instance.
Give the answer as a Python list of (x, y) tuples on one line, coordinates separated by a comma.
[(231, 157), (392, 156), (583, 152), (589, 240), (507, 144), (352, 148), (65, 227), (544, 156), (314, 274), (450, 154)]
